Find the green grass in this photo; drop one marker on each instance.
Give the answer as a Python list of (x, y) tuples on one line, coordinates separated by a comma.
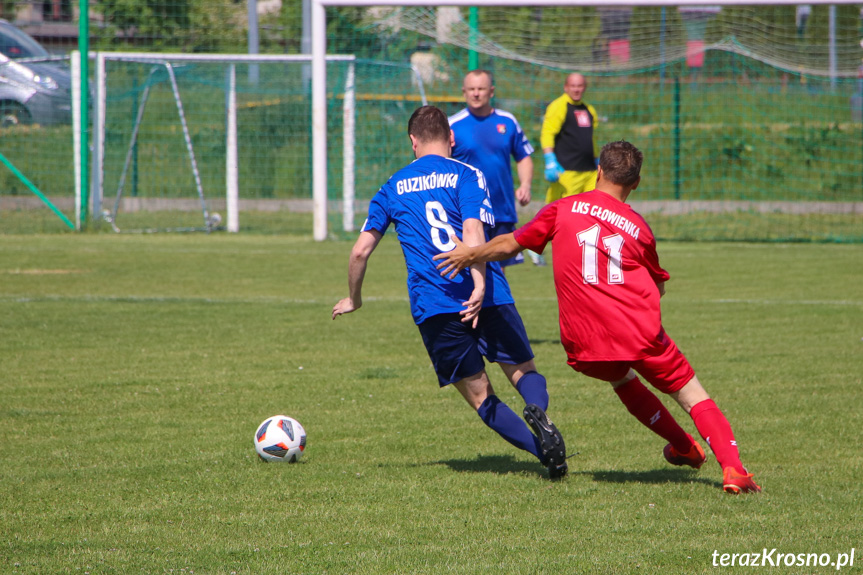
[(135, 370), (43, 221), (696, 226)]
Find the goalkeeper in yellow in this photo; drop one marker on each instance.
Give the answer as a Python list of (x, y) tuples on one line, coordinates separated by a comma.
[(568, 140)]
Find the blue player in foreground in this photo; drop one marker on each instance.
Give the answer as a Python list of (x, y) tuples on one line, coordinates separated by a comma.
[(471, 316)]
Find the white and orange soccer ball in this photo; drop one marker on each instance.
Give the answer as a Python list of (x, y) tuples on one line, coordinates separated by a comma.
[(280, 438)]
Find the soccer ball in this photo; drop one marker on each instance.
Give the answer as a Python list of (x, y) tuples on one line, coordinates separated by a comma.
[(280, 438)]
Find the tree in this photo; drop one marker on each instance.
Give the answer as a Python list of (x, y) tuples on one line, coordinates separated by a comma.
[(188, 25)]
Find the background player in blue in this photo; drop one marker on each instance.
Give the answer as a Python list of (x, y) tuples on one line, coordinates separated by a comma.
[(486, 138), (467, 317)]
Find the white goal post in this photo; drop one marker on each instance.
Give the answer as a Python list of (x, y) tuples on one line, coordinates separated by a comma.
[(319, 73), (232, 184)]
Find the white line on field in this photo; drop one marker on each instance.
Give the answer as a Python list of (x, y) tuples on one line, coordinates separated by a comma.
[(400, 299), (788, 302), (170, 299), (677, 300)]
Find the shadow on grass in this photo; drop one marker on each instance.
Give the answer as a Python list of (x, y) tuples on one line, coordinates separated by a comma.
[(504, 464), (500, 464), (653, 476), (534, 341)]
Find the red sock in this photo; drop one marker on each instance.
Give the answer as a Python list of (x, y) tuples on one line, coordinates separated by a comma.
[(716, 431), (649, 410)]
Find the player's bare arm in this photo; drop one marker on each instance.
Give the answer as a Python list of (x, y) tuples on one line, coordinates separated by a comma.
[(661, 286), (525, 175), (360, 254), (462, 256), (474, 235)]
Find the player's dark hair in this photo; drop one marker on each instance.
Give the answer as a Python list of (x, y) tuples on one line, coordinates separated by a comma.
[(621, 162), (429, 124), (481, 71)]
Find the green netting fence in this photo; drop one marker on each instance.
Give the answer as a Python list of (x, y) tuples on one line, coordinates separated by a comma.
[(749, 121)]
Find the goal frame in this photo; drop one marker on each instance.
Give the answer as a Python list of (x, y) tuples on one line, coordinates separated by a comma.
[(97, 180)]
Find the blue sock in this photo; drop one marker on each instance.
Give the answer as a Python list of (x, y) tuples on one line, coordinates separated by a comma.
[(498, 416), (533, 389)]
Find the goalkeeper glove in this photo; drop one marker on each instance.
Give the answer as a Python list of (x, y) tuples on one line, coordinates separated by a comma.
[(553, 169)]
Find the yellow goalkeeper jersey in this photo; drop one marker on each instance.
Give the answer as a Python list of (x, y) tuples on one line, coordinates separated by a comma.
[(568, 127)]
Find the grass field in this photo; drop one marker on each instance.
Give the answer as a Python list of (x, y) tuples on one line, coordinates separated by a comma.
[(135, 370)]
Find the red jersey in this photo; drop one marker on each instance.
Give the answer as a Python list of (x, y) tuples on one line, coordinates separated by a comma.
[(605, 273)]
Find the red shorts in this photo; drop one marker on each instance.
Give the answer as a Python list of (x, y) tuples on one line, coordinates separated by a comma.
[(666, 369)]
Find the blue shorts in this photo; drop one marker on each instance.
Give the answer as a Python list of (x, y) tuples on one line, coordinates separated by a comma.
[(499, 229), (456, 349)]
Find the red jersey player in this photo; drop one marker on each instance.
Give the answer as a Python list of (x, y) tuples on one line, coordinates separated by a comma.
[(609, 281)]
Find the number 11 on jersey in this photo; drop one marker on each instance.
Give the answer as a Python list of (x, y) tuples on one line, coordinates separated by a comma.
[(588, 240)]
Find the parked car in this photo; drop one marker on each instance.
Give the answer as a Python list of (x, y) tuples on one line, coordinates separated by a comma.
[(31, 91)]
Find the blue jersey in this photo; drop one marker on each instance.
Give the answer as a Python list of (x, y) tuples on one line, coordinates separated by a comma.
[(487, 143), (427, 201)]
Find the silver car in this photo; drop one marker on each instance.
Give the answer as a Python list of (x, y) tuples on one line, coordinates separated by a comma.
[(33, 89)]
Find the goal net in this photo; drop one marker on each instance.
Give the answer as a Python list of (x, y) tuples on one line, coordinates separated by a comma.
[(749, 117), (223, 142), (610, 38)]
